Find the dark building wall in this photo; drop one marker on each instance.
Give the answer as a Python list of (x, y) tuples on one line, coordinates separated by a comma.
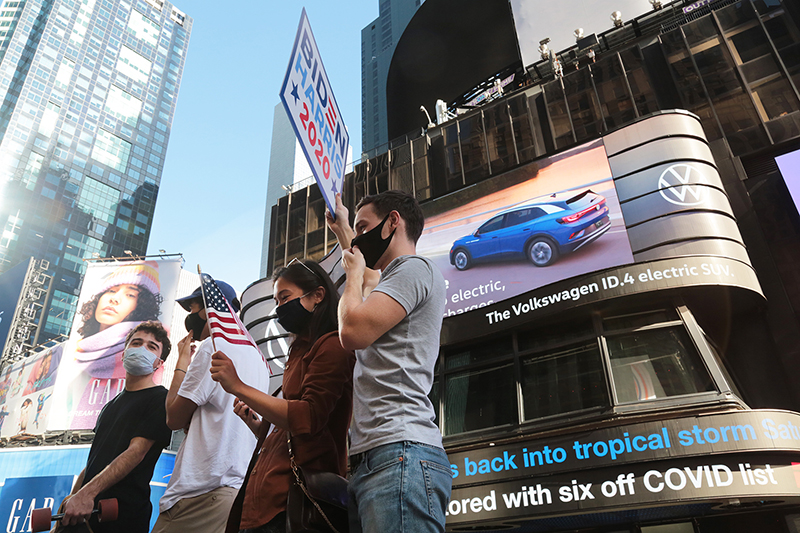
[(734, 65)]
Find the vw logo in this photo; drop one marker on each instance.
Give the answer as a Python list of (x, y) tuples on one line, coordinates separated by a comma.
[(277, 348), (682, 184)]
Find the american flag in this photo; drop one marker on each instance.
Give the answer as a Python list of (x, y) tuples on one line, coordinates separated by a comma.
[(223, 322)]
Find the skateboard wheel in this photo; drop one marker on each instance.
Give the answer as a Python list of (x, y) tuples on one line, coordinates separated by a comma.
[(41, 518), (109, 509)]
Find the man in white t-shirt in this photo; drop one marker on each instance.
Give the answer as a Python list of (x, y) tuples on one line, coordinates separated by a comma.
[(213, 459)]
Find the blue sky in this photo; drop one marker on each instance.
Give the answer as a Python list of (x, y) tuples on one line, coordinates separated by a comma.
[(213, 190), (211, 202)]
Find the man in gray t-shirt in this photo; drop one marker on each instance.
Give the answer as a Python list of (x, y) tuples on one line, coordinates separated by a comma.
[(401, 476)]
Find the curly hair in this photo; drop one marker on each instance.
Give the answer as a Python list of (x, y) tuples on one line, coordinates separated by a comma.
[(156, 329), (148, 307)]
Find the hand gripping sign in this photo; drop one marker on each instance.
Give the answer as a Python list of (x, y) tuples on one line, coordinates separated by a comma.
[(308, 98)]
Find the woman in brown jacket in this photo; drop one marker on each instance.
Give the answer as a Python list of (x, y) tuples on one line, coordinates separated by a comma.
[(317, 396)]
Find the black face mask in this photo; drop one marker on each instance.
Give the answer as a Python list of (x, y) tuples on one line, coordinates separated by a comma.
[(372, 245), (293, 317), (195, 325)]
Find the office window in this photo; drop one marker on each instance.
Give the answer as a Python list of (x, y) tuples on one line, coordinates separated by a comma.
[(641, 90), (123, 105), (655, 364), (133, 65), (615, 99), (49, 119), (563, 370), (584, 109), (473, 148), (563, 380), (478, 399), (499, 137), (111, 150), (143, 28), (64, 74), (559, 115), (98, 199)]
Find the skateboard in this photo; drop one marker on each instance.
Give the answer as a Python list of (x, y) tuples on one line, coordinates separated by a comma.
[(107, 511)]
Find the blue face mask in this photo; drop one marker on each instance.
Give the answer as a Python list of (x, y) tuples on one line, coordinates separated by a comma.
[(139, 361)]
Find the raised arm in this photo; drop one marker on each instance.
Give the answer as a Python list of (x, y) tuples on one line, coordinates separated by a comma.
[(362, 322), (180, 409), (341, 225)]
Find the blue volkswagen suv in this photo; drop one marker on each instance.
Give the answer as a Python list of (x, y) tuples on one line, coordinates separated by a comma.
[(541, 230)]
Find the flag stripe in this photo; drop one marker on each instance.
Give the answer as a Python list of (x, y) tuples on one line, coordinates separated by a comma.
[(234, 341), (221, 317), (233, 331)]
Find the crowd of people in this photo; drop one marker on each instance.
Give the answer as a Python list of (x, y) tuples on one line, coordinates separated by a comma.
[(354, 398)]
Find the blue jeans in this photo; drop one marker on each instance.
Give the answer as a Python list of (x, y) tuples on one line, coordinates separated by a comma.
[(402, 487)]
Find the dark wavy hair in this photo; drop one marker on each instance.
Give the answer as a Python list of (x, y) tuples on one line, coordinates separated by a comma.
[(308, 275), (148, 307), (156, 329), (402, 202)]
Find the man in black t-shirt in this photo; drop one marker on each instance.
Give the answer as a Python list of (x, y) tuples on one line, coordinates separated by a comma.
[(130, 433)]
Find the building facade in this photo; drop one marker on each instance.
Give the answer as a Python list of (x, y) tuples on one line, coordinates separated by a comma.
[(645, 381), (378, 40), (89, 90)]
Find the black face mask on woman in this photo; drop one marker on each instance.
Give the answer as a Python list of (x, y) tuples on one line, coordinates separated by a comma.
[(293, 317), (372, 245)]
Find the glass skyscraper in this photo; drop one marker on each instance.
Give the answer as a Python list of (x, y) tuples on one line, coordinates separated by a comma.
[(378, 40), (88, 91)]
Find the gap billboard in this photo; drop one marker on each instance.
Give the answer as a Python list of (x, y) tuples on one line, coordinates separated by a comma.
[(115, 297)]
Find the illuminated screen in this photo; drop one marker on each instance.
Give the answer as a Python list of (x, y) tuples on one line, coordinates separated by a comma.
[(560, 220), (789, 164)]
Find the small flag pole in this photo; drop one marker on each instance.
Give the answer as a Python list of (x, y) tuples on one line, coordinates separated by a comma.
[(200, 272)]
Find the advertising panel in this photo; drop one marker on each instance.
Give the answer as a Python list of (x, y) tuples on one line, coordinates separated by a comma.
[(762, 477), (114, 298), (308, 98), (11, 283), (20, 496), (741, 454), (25, 391), (789, 164), (641, 210), (51, 466), (563, 221), (628, 280)]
